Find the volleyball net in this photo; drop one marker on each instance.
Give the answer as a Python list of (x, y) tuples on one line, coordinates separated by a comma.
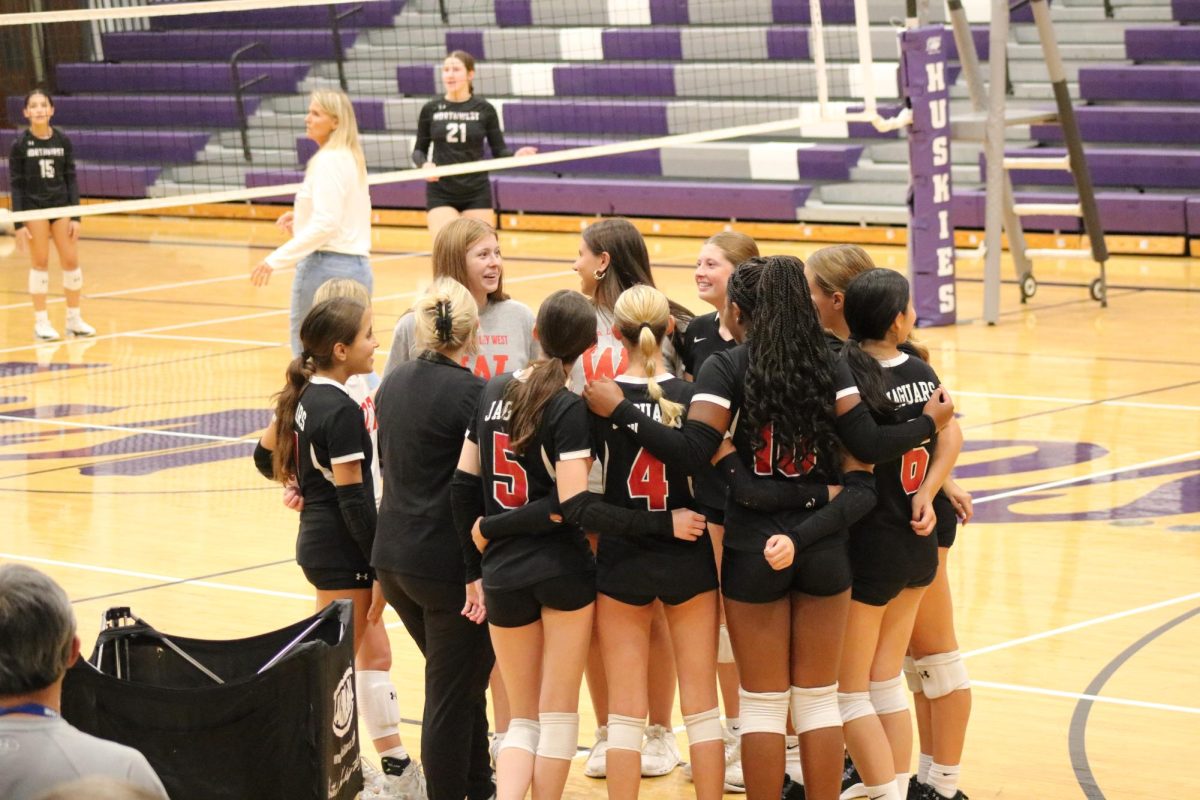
[(173, 104)]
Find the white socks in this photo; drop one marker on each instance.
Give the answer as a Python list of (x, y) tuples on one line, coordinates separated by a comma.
[(923, 764), (944, 779)]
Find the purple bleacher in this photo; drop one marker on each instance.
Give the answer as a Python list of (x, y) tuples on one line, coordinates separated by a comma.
[(405, 194), (626, 44), (979, 33), (1127, 167), (140, 110), (642, 162), (1192, 214), (828, 162), (701, 200), (603, 117), (1165, 43), (514, 13), (1185, 10), (669, 12), (219, 45), (1120, 212), (866, 130), (615, 80), (415, 79), (129, 146), (1125, 82), (106, 180), (470, 41), (282, 77), (374, 14), (787, 43), (833, 12), (1127, 124)]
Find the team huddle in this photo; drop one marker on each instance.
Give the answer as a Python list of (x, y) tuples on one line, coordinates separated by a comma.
[(657, 499)]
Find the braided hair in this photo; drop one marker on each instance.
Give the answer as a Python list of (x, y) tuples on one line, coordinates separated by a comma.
[(789, 384)]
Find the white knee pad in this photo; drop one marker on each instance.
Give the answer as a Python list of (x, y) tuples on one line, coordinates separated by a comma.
[(815, 707), (764, 712), (942, 673), (889, 697), (73, 279), (854, 705), (560, 735), (724, 646), (703, 726), (911, 676), (377, 703), (625, 733), (39, 281), (522, 734)]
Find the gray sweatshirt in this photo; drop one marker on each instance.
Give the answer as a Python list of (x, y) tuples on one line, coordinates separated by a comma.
[(506, 340)]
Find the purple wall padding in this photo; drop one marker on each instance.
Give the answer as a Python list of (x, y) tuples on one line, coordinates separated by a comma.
[(219, 45), (615, 80), (282, 77), (787, 43), (626, 44), (514, 13), (1172, 125), (924, 81), (1162, 43), (143, 111), (598, 117), (1125, 82), (469, 41), (415, 79), (378, 15), (1120, 212), (1126, 167), (669, 12), (658, 199), (1192, 213)]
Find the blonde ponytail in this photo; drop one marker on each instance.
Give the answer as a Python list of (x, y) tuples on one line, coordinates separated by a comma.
[(643, 315)]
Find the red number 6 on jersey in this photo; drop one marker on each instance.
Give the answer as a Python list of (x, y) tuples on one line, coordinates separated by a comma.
[(648, 479), (510, 486), (912, 469)]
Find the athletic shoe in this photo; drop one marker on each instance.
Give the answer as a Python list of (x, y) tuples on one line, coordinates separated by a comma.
[(852, 784), (915, 788), (408, 785), (792, 759), (77, 327), (597, 760), (45, 332), (494, 747), (929, 793), (735, 783), (660, 754), (791, 789)]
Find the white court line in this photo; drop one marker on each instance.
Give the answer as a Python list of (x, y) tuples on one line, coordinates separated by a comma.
[(229, 587), (1081, 478), (61, 423), (1087, 623), (1096, 698), (263, 314), (1077, 401), (213, 339)]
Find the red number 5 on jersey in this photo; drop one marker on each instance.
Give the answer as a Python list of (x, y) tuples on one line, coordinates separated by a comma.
[(510, 486), (648, 479), (912, 469)]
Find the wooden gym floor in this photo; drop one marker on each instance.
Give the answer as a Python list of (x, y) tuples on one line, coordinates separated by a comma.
[(125, 473)]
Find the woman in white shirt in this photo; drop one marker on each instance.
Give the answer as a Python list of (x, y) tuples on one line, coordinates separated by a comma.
[(331, 221)]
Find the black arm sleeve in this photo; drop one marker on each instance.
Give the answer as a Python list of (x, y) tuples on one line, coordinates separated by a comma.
[(689, 448), (466, 505), (16, 178), (495, 136), (262, 460), (769, 495), (588, 510), (69, 176), (855, 501), (358, 512), (531, 519), (873, 443), (420, 152)]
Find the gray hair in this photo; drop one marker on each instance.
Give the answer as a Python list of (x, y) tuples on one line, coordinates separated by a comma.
[(37, 628)]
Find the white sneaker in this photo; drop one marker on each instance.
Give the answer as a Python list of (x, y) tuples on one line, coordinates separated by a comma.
[(77, 327), (494, 748), (660, 754), (408, 786), (735, 783), (597, 760), (792, 759), (43, 330)]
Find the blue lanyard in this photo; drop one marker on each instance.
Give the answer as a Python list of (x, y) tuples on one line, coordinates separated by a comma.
[(29, 708)]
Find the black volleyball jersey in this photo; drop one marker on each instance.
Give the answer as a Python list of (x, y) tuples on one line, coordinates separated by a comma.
[(722, 381), (457, 132), (424, 405), (41, 172), (330, 429), (910, 382), (701, 340), (511, 480)]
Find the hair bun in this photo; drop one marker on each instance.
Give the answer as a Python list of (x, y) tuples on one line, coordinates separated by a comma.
[(443, 321)]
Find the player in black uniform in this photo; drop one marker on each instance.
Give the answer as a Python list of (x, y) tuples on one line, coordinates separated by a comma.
[(633, 572), (786, 572), (894, 557), (456, 126), (424, 405), (41, 171)]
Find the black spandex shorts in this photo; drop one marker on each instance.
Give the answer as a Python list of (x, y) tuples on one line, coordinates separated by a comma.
[(436, 195), (338, 579), (514, 608), (886, 562), (822, 570), (633, 599)]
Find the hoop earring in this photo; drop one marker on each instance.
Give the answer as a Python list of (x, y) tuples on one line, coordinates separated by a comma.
[(599, 274)]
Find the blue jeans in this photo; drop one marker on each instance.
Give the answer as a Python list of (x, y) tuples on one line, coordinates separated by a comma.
[(315, 269)]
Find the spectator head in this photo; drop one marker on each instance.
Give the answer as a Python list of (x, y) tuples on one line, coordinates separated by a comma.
[(37, 631)]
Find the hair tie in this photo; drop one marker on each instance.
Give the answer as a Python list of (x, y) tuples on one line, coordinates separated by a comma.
[(443, 322), (645, 325), (305, 355)]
